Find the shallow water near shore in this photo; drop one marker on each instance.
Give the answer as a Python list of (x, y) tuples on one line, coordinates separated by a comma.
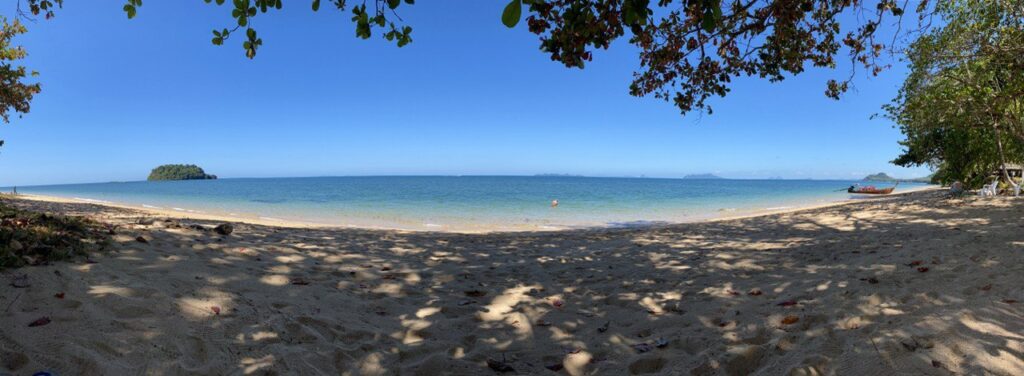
[(478, 203)]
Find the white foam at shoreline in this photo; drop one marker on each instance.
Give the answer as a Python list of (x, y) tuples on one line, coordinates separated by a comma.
[(151, 206), (92, 200)]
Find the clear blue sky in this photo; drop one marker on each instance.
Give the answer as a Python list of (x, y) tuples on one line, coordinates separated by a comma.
[(468, 96)]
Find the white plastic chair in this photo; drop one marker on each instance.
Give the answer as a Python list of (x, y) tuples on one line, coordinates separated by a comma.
[(989, 190), (993, 189)]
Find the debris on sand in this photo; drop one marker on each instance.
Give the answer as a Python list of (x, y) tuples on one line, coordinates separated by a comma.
[(499, 366), (39, 322), (21, 282), (224, 229)]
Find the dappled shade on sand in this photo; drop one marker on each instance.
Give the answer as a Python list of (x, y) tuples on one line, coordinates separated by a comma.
[(913, 284)]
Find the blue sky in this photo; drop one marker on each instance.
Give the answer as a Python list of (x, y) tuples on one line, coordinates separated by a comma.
[(468, 96)]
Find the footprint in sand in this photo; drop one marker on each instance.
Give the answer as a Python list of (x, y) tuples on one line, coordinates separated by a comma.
[(646, 365), (130, 312), (320, 328), (743, 359), (812, 366), (70, 304), (193, 351), (13, 361)]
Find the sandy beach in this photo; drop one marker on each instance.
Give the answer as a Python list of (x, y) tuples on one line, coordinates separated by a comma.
[(914, 284)]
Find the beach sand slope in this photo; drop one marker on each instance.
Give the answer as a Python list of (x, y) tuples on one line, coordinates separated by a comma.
[(915, 284)]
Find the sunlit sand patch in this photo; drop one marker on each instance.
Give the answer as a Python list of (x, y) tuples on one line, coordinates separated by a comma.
[(744, 264), (241, 251), (196, 308), (651, 306), (852, 323), (497, 344), (987, 327), (280, 269), (253, 365), (413, 332), (104, 290), (393, 290), (427, 312), (502, 304), (823, 286), (412, 278), (725, 291), (522, 327), (85, 268), (275, 280), (576, 363), (129, 258), (627, 296), (290, 259), (406, 251), (262, 335), (217, 280)]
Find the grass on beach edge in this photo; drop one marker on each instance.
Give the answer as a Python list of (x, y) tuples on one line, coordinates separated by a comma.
[(31, 238)]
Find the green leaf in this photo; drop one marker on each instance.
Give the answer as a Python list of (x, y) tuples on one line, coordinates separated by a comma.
[(316, 5), (709, 20), (394, 3), (130, 9), (513, 11)]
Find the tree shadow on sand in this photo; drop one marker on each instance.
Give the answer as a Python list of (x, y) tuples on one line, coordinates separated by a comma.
[(827, 291)]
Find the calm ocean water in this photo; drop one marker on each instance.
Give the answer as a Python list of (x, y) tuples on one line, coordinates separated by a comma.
[(465, 203)]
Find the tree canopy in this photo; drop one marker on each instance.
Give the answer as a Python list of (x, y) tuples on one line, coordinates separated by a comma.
[(960, 107), (690, 50), (15, 93), (179, 172)]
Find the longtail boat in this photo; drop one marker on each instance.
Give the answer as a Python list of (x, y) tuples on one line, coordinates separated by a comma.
[(871, 190)]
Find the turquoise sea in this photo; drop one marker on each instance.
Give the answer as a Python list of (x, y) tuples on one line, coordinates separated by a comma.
[(472, 203)]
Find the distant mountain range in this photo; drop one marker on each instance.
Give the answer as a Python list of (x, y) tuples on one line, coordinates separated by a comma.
[(702, 176), (883, 177)]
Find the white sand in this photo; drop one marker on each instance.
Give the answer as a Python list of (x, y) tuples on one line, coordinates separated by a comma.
[(386, 302)]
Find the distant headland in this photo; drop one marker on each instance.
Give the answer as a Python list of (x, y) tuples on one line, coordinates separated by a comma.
[(179, 172), (702, 176), (883, 177)]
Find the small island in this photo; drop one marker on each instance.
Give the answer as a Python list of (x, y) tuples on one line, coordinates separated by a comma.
[(702, 176), (179, 172)]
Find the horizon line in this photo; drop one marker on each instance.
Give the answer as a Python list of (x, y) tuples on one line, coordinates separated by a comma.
[(685, 177)]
